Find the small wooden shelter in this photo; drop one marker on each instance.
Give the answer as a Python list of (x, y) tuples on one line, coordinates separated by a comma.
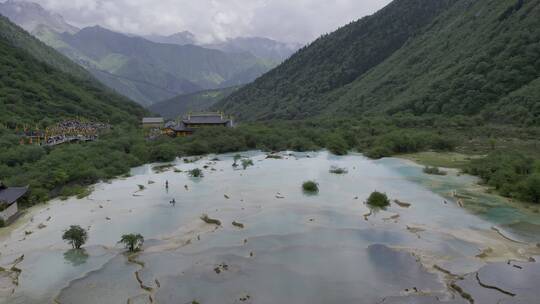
[(8, 201)]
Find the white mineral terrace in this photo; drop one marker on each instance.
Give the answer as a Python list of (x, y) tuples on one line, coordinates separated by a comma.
[(286, 246)]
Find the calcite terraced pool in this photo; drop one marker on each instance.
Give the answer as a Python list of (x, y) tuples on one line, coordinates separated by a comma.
[(294, 248)]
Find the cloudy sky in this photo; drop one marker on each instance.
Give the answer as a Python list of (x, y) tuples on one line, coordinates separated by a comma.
[(285, 20)]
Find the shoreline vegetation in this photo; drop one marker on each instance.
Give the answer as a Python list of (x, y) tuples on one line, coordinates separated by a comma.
[(506, 158)]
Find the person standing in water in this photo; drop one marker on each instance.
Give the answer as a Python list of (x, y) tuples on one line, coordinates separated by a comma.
[(173, 202), (166, 184)]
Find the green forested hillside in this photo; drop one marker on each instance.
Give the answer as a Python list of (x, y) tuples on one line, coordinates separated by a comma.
[(12, 34), (477, 57), (195, 102), (480, 57), (38, 85), (294, 89), (33, 92)]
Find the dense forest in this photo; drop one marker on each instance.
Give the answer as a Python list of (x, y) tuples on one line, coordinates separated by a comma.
[(479, 58), (459, 57)]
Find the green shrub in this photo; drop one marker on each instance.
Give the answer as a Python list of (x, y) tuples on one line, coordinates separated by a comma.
[(301, 144), (197, 147), (511, 173), (196, 173), (310, 187), (246, 163), (434, 171), (530, 189), (75, 190), (379, 152), (378, 200), (337, 145), (236, 158)]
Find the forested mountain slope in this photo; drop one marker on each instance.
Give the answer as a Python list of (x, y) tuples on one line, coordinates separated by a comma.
[(476, 58), (482, 57), (149, 72), (33, 92), (15, 36), (294, 89), (194, 102)]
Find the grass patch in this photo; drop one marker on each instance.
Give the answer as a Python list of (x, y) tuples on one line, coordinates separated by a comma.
[(75, 190), (434, 171), (205, 218), (162, 168), (338, 170), (237, 224), (441, 159)]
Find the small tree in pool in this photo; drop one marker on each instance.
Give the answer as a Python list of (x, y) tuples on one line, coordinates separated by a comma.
[(246, 163), (237, 157), (76, 236), (196, 172), (378, 200), (132, 242), (310, 187)]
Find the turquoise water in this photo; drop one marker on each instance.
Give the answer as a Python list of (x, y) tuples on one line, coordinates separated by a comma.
[(294, 248), (520, 223)]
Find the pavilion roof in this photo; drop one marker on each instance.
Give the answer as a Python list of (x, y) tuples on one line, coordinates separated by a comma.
[(10, 195)]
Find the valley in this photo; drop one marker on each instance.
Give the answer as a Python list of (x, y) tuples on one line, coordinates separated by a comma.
[(395, 159), (152, 68)]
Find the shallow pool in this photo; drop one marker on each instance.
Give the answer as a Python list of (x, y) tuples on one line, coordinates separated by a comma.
[(294, 247)]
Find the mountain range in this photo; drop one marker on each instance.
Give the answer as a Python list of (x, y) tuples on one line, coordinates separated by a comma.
[(180, 38), (149, 72), (267, 49), (40, 86), (153, 68), (30, 16), (413, 57)]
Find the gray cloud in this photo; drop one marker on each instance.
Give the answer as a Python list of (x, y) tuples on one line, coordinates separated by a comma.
[(285, 20)]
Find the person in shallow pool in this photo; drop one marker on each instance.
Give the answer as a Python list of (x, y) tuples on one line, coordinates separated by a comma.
[(173, 202), (166, 184)]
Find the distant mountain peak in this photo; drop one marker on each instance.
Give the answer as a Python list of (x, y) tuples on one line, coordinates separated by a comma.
[(96, 29), (180, 38), (261, 47), (30, 16)]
